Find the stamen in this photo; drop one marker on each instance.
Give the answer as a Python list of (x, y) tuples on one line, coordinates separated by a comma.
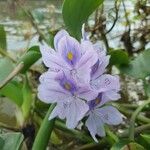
[(97, 101), (70, 55), (67, 86)]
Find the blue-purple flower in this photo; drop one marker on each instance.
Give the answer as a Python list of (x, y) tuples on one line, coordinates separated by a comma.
[(99, 114), (69, 55), (76, 81), (69, 95)]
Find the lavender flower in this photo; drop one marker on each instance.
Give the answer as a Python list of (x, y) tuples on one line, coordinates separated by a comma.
[(70, 56), (100, 115), (77, 83), (69, 95)]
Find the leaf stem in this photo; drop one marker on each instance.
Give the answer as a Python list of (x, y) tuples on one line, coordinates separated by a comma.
[(43, 135), (133, 118), (16, 70), (137, 130), (128, 112), (6, 54)]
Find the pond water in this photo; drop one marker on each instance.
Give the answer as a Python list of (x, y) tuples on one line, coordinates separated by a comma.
[(19, 28)]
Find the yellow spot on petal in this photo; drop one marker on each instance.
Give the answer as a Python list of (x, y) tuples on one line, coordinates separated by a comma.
[(97, 101), (67, 86), (70, 55)]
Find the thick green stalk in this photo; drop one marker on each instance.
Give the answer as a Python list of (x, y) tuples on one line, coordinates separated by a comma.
[(43, 135), (133, 118)]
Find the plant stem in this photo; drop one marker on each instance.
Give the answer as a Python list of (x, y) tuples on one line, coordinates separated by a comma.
[(77, 134), (72, 132), (136, 131), (12, 74), (43, 135), (6, 54), (111, 134), (100, 145), (133, 118), (129, 113)]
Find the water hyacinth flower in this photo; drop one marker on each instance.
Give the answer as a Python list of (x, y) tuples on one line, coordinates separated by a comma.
[(98, 115), (69, 55), (77, 83), (69, 95)]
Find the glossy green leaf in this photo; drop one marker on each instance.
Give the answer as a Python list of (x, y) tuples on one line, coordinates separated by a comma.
[(76, 12), (139, 67), (3, 44), (13, 91), (118, 57), (27, 99), (6, 67), (30, 57), (146, 137), (125, 145), (12, 141)]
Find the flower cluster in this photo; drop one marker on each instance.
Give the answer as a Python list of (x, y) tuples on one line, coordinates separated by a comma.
[(76, 81)]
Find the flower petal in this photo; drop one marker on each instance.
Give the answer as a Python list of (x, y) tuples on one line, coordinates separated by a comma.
[(86, 93), (110, 96), (75, 111), (58, 36), (109, 115), (95, 126), (51, 59), (48, 76), (103, 62), (52, 92), (69, 49), (59, 110), (89, 55), (106, 82)]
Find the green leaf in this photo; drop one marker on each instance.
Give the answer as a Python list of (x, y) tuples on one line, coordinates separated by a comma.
[(6, 67), (3, 44), (13, 91), (76, 12), (30, 57), (146, 137), (27, 99), (139, 67), (12, 141), (133, 146), (119, 144), (125, 145), (118, 57)]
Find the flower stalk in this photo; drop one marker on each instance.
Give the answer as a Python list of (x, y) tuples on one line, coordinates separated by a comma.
[(44, 132)]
